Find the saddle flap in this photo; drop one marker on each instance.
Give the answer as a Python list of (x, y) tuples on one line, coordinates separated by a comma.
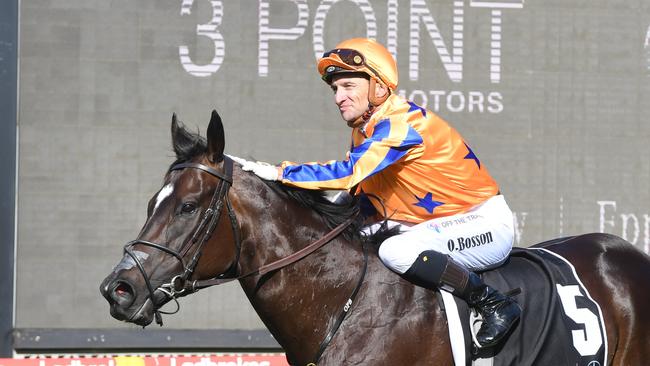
[(560, 324)]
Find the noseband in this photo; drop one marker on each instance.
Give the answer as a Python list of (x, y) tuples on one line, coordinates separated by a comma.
[(179, 286)]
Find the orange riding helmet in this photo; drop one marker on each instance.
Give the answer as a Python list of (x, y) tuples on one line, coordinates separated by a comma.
[(360, 55)]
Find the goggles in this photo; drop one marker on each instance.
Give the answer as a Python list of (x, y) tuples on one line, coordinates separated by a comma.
[(352, 59)]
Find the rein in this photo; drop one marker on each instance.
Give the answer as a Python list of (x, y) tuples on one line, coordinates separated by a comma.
[(180, 286), (280, 263)]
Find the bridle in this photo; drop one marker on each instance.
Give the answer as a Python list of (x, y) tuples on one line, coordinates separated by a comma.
[(179, 286)]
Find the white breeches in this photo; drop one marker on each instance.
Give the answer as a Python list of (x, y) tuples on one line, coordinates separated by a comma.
[(478, 239)]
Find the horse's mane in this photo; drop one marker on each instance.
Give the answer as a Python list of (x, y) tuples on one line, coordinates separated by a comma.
[(188, 145), (334, 214)]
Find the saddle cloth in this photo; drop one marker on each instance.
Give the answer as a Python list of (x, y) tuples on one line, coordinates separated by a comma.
[(560, 324)]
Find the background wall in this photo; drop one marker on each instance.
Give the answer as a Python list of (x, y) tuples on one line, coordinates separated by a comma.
[(553, 96)]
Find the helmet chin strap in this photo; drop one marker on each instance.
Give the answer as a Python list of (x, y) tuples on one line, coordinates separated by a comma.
[(373, 102), (372, 97), (363, 119)]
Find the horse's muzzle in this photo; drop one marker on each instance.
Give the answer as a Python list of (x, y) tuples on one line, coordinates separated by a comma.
[(121, 296), (128, 302)]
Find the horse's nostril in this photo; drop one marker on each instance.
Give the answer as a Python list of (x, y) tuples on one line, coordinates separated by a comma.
[(122, 290), (123, 293)]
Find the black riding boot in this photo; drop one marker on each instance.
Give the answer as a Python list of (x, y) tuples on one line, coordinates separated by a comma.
[(499, 312)]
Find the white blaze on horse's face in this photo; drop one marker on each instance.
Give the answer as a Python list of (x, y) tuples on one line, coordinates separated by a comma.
[(165, 192)]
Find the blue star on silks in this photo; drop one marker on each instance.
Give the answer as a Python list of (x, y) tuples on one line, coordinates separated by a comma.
[(415, 107), (471, 155), (427, 203)]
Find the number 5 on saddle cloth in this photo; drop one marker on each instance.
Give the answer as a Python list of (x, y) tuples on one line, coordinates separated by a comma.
[(560, 325)]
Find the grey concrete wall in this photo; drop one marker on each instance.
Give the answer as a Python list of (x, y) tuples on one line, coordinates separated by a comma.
[(553, 97)]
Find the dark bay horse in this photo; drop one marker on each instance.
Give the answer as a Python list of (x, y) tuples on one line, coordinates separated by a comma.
[(213, 220)]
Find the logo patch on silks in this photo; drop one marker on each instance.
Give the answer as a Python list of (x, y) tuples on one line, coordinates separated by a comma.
[(560, 323), (434, 226)]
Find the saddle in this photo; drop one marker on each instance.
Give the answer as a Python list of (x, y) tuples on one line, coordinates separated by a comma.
[(560, 324)]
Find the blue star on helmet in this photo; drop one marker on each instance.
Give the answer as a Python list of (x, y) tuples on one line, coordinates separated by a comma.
[(427, 202), (415, 107), (471, 155)]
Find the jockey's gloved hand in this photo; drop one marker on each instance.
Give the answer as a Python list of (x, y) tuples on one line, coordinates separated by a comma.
[(263, 170)]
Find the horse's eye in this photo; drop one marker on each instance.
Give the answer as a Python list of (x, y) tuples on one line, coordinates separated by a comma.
[(188, 208)]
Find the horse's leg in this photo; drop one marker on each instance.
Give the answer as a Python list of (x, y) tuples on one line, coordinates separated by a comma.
[(614, 272)]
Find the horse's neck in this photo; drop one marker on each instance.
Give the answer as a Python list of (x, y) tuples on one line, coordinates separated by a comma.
[(297, 302), (300, 302)]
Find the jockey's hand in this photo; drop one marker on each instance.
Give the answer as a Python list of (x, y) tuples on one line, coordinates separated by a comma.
[(263, 170)]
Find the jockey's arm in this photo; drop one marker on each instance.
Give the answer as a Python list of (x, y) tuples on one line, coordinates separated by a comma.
[(390, 142)]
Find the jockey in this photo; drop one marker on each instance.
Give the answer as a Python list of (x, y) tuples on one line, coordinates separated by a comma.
[(420, 172)]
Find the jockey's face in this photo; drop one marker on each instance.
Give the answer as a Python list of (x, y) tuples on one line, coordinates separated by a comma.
[(350, 95)]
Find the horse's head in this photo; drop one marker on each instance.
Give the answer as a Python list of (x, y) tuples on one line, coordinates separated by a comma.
[(193, 203)]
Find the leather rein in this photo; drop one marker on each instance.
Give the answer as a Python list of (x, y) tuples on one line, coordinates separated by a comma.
[(180, 285)]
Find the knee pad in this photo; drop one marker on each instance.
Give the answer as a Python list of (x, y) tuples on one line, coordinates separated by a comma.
[(428, 269), (393, 256)]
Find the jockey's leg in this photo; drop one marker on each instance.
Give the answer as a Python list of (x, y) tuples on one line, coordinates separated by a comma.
[(436, 270), (441, 252)]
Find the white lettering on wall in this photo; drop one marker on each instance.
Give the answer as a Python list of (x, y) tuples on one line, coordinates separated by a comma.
[(495, 47), (456, 101), (646, 45), (266, 33), (625, 220), (450, 54), (321, 14), (602, 215), (209, 30), (452, 61), (391, 37), (630, 224), (519, 223), (496, 30)]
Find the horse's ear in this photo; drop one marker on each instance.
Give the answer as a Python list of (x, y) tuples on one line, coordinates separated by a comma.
[(179, 138), (174, 125), (174, 131), (216, 138)]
